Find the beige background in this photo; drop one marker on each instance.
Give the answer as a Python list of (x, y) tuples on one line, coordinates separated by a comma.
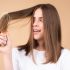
[(19, 30)]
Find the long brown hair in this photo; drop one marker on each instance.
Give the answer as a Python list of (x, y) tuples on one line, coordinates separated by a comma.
[(52, 28)]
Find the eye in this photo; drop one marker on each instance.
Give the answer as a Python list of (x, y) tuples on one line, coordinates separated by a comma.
[(41, 19)]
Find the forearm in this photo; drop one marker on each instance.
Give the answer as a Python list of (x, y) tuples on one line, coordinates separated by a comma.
[(7, 60), (6, 50)]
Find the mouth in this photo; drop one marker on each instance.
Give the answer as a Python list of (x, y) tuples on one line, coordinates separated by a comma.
[(36, 30)]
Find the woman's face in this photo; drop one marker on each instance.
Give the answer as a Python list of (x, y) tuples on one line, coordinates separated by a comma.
[(38, 28)]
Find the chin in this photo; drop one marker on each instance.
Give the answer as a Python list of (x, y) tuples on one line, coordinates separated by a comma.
[(36, 37)]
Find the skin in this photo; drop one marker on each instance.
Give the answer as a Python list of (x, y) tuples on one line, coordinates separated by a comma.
[(38, 28), (38, 31), (5, 50)]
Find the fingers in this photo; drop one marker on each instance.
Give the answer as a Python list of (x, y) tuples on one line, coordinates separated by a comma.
[(3, 40), (5, 43)]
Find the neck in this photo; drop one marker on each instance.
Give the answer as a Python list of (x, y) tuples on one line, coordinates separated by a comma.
[(41, 45)]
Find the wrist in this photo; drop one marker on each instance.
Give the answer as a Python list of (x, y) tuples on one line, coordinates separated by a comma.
[(8, 54)]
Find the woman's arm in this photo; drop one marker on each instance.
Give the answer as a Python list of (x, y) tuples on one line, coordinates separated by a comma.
[(6, 51), (7, 60)]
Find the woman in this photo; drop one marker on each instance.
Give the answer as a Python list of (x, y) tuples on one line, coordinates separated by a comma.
[(43, 50)]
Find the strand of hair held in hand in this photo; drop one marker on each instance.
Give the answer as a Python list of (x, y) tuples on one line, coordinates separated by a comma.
[(3, 40)]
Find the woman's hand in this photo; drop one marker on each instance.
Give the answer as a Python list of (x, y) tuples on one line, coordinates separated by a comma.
[(5, 43), (5, 49)]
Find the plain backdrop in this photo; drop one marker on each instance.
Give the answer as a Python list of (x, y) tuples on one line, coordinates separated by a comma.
[(19, 29)]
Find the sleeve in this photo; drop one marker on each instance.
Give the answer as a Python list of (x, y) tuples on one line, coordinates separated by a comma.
[(15, 59), (66, 60)]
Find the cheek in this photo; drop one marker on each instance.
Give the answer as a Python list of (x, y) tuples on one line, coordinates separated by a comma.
[(40, 34), (42, 28)]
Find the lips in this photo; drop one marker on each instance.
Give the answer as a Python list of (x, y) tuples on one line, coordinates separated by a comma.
[(36, 31)]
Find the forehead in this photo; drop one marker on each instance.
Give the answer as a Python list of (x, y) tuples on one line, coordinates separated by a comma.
[(38, 13)]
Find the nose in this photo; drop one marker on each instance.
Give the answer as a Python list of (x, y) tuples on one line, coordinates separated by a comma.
[(35, 24)]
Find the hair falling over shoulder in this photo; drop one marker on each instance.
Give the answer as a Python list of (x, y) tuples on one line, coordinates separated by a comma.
[(52, 35)]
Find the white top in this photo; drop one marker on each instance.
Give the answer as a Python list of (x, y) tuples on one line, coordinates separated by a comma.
[(23, 62)]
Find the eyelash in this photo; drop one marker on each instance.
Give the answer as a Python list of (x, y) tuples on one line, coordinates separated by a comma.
[(39, 20)]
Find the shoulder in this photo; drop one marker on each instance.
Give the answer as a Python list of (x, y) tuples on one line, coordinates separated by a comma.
[(65, 53), (17, 50), (65, 59), (17, 53)]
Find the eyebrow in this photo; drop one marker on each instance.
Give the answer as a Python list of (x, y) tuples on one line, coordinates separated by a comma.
[(39, 17)]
